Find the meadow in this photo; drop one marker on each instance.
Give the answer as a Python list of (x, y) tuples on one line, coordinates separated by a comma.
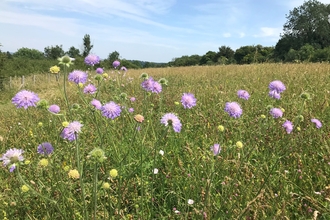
[(125, 157)]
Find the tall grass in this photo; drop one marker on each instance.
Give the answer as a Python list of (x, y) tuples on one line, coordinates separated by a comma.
[(274, 175)]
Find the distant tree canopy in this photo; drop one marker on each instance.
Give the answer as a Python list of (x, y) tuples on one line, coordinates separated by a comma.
[(27, 53), (73, 52), (87, 45), (54, 52)]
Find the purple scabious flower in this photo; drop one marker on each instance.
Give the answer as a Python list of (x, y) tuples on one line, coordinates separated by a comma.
[(97, 104), (90, 89), (25, 99), (277, 86), (148, 84), (274, 94), (188, 100), (78, 76), (99, 70), (54, 109), (131, 110), (276, 112), (316, 122), (11, 157), (172, 120), (215, 149), (71, 131), (243, 94), (132, 99), (157, 87), (115, 63), (45, 148), (288, 126), (233, 109), (92, 59), (111, 110), (123, 68)]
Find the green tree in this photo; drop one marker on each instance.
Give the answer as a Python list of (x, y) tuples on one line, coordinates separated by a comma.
[(87, 45), (113, 56), (27, 53), (306, 52), (54, 52), (225, 52), (73, 52)]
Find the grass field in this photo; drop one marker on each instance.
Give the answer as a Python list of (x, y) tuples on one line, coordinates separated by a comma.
[(261, 171)]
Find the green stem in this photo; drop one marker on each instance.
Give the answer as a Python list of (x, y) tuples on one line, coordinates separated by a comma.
[(95, 189)]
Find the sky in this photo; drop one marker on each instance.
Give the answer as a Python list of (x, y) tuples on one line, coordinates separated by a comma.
[(146, 30)]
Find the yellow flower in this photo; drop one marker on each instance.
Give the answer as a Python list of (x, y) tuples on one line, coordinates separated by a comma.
[(282, 109), (66, 168), (43, 162), (27, 162), (74, 174), (105, 75), (298, 128), (263, 116), (25, 188), (113, 173), (221, 128), (80, 85), (176, 103), (106, 186), (239, 144), (65, 124), (40, 124), (54, 69)]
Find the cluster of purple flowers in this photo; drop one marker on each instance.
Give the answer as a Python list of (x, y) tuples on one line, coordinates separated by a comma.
[(188, 100), (215, 149), (115, 64), (288, 126), (45, 149), (90, 89), (317, 122), (151, 85), (54, 109), (25, 99), (92, 59), (276, 88), (172, 120), (78, 76), (233, 109), (71, 131), (276, 112), (11, 157), (243, 94), (111, 110)]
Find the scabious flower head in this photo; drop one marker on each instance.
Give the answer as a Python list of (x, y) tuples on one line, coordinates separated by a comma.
[(239, 144), (274, 94), (288, 126), (78, 76), (25, 188), (66, 60), (54, 109), (144, 76), (65, 124), (316, 122), (106, 185), (11, 157), (43, 104), (276, 112), (54, 69), (172, 120), (25, 99), (92, 59), (74, 174), (233, 109), (90, 89), (99, 70), (97, 104), (139, 118), (131, 110), (243, 94), (115, 63), (71, 131), (188, 100), (221, 128), (97, 155), (113, 173), (132, 99), (277, 86), (45, 148), (148, 84), (163, 81), (215, 149), (111, 110), (43, 162), (190, 201), (305, 95), (123, 69)]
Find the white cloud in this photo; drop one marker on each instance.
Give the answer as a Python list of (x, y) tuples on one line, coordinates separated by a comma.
[(269, 32), (226, 34)]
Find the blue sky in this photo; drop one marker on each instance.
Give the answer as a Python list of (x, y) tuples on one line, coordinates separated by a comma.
[(148, 30)]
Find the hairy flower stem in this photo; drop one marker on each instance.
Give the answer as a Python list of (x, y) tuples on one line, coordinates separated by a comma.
[(64, 88), (95, 190)]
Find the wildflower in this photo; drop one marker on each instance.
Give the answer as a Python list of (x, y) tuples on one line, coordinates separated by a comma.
[(161, 152), (215, 149), (54, 109), (90, 89), (277, 86), (305, 95), (92, 59), (157, 87), (115, 64), (288, 126), (74, 174), (80, 85), (276, 112), (316, 122), (45, 148), (97, 104), (25, 99), (190, 201), (105, 75), (243, 94), (188, 100), (274, 94), (132, 99), (123, 69), (99, 70), (98, 77), (176, 103), (65, 124), (71, 131), (221, 128), (300, 118), (239, 144), (25, 188), (131, 110), (78, 76), (43, 104), (97, 154), (155, 171), (66, 60), (54, 69), (27, 162), (233, 109), (172, 120), (144, 76), (113, 173), (163, 81), (111, 110), (11, 157), (106, 186), (139, 118), (262, 116), (43, 162), (149, 85)]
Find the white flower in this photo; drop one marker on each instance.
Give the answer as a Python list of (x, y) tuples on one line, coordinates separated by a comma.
[(190, 201), (155, 171), (161, 152), (177, 212)]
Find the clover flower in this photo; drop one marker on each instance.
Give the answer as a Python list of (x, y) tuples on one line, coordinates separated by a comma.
[(276, 112), (215, 149), (54, 109), (71, 131), (115, 63), (11, 157), (111, 110), (90, 89), (188, 100), (288, 126), (92, 59), (243, 94), (233, 109), (25, 99), (99, 70), (78, 76), (97, 104), (316, 122), (277, 86), (45, 148), (172, 120)]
